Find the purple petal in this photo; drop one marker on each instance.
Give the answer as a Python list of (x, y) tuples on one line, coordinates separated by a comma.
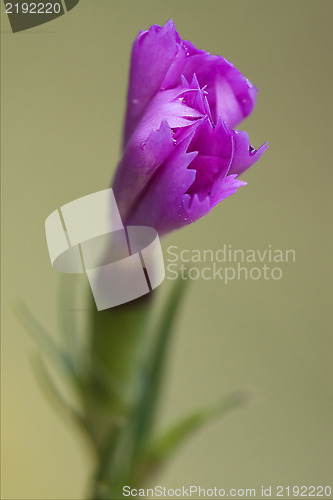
[(244, 155), (172, 107), (138, 165), (231, 96), (166, 193), (215, 152), (153, 54), (213, 140), (228, 186)]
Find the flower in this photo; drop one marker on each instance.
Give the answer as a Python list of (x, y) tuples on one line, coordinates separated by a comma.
[(181, 154)]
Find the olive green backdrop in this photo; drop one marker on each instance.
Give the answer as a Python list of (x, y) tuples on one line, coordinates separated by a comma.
[(63, 98)]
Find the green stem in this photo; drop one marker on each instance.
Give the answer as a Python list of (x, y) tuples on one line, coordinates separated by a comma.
[(117, 344)]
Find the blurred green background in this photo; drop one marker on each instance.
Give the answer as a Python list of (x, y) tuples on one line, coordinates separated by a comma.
[(63, 98)]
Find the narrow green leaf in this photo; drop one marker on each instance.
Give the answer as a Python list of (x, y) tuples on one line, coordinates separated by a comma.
[(66, 306), (152, 376), (49, 347), (53, 395), (169, 442)]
